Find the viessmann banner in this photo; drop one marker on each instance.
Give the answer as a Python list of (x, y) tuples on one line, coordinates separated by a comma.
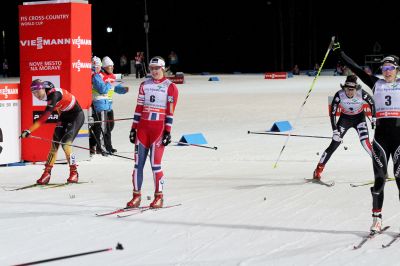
[(55, 45)]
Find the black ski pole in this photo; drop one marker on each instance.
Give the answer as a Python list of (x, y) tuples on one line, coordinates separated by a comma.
[(293, 135), (98, 122), (195, 145), (76, 146), (119, 246)]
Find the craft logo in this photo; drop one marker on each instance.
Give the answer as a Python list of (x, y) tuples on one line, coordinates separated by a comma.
[(40, 42), (78, 65), (8, 91), (53, 118)]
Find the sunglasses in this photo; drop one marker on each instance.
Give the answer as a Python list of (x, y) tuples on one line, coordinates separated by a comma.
[(388, 68)]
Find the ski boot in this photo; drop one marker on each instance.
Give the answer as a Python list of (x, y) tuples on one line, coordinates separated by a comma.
[(73, 174), (135, 201), (376, 226), (158, 200), (45, 178), (318, 171)]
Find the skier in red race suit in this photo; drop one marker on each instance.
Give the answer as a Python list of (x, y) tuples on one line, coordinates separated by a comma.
[(71, 119), (151, 129)]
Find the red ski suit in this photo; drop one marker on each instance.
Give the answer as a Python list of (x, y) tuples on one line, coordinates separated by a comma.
[(153, 115)]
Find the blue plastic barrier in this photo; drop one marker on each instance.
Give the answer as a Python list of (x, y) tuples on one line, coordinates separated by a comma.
[(281, 126), (195, 138)]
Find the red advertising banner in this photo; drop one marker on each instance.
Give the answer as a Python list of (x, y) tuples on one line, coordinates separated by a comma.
[(275, 75), (55, 45), (177, 80), (10, 123), (9, 91)]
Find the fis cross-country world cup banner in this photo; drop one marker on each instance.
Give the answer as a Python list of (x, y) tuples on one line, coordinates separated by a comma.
[(55, 45)]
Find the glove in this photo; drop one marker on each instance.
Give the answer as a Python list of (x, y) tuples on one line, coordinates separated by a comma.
[(166, 139), (132, 136), (336, 136), (373, 122), (25, 133), (336, 47)]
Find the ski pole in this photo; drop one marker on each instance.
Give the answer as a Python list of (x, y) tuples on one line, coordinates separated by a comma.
[(119, 247), (104, 121), (76, 146), (305, 100), (293, 135), (195, 145)]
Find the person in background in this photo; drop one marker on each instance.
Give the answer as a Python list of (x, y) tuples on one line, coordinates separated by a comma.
[(338, 70), (367, 70), (70, 120), (350, 99), (5, 68), (144, 68), (296, 70), (173, 62), (386, 141), (123, 64), (107, 114), (151, 129), (100, 107), (139, 65)]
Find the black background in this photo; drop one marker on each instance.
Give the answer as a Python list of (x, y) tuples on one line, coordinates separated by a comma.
[(228, 36)]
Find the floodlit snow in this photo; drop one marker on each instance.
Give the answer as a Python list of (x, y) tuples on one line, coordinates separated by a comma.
[(236, 208)]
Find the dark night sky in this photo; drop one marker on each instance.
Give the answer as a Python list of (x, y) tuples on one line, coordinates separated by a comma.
[(223, 36)]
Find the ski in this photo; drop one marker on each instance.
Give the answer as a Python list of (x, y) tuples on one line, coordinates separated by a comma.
[(64, 184), (50, 185), (369, 183), (147, 208), (395, 238), (369, 237), (126, 209), (21, 188), (320, 182), (362, 184)]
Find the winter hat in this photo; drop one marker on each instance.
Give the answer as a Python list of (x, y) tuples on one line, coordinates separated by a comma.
[(157, 61), (392, 59), (39, 84), (351, 82), (107, 61), (96, 61)]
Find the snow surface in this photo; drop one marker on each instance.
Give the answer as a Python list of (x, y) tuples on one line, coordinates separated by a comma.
[(236, 208)]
